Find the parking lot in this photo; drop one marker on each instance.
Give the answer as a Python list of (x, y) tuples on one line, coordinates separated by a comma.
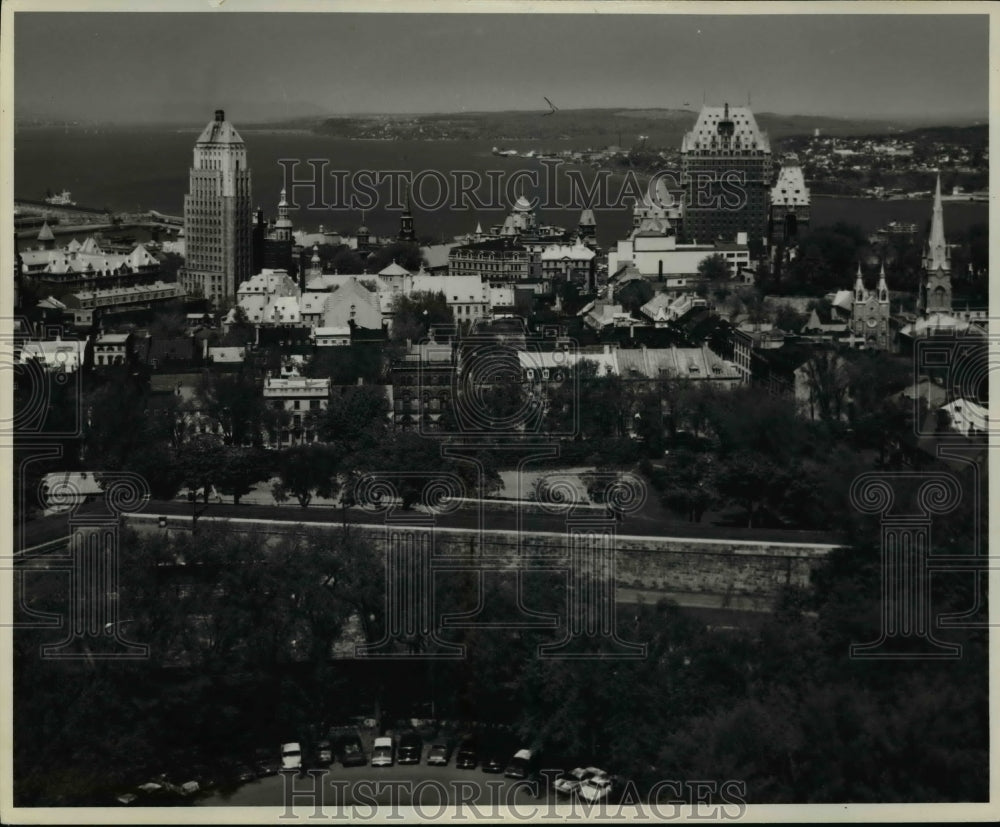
[(400, 785)]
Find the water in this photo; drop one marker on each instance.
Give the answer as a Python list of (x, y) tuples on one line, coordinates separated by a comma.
[(136, 170)]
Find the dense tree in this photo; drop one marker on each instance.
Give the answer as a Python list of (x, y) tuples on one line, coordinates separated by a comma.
[(305, 471), (634, 295), (404, 253), (414, 315), (346, 365), (235, 402), (690, 484), (828, 380), (241, 469), (714, 268)]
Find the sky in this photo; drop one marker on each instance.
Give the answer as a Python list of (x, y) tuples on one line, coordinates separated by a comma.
[(175, 67)]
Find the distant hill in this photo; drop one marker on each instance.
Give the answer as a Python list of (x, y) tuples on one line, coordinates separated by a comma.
[(957, 135), (662, 128)]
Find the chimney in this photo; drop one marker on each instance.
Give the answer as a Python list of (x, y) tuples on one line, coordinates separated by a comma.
[(361, 381), (220, 115)]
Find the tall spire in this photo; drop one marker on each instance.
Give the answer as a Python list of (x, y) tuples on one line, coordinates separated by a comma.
[(859, 284), (937, 247), (883, 287)]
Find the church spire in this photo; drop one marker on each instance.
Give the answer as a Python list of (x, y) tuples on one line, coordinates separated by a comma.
[(859, 285), (937, 247), (883, 287)]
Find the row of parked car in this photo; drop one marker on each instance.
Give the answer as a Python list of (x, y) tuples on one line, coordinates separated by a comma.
[(494, 751)]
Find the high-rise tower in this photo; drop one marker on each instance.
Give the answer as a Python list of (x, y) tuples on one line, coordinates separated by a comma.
[(726, 169), (217, 214)]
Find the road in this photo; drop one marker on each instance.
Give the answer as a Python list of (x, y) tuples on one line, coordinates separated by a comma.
[(650, 522)]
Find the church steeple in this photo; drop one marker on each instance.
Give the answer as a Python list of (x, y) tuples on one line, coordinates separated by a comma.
[(937, 247), (883, 287), (859, 286), (283, 226), (935, 288)]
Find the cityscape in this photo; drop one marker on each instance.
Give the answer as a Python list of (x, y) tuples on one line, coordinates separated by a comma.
[(594, 452)]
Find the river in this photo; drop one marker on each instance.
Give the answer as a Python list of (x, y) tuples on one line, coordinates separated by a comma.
[(140, 169)]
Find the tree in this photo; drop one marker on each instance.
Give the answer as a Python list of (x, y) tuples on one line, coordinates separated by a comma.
[(690, 487), (235, 402), (305, 471), (414, 315), (356, 420), (404, 253), (634, 295), (201, 460), (789, 319), (752, 481), (346, 365), (170, 266), (828, 381), (241, 469), (240, 331), (714, 268)]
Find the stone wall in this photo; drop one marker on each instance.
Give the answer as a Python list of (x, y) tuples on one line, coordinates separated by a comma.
[(671, 564)]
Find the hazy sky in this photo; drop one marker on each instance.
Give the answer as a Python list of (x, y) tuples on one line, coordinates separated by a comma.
[(133, 67)]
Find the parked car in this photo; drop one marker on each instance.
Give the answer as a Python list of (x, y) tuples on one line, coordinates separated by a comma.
[(523, 765), (411, 748), (324, 753), (568, 783), (350, 752), (291, 756), (440, 751), (597, 788), (383, 752), (468, 753), (265, 763), (494, 752), (240, 773)]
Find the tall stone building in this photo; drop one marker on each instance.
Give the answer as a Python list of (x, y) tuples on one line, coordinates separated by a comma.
[(217, 214), (726, 169), (870, 312), (935, 285), (272, 241), (790, 204)]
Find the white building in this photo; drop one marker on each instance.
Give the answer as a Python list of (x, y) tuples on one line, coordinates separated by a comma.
[(299, 397), (111, 349), (662, 257), (57, 355)]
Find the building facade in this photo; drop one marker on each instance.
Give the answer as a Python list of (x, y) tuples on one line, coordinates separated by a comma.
[(301, 399), (935, 286), (790, 204), (217, 214), (870, 313), (726, 168), (272, 241)]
